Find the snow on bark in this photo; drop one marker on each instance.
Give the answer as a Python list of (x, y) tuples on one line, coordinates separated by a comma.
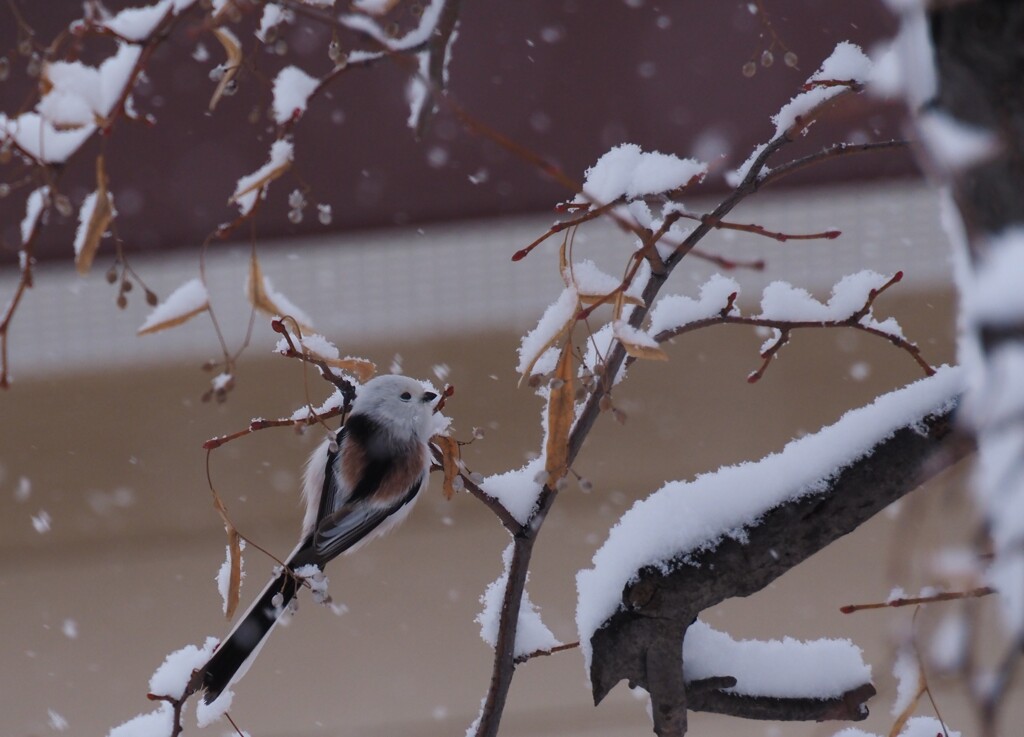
[(81, 95), (136, 24), (157, 723), (38, 138), (686, 517), (33, 211), (787, 668), (292, 88), (675, 311), (417, 36), (953, 145), (173, 675), (532, 635), (517, 490), (628, 171), (846, 64), (784, 302), (273, 15)]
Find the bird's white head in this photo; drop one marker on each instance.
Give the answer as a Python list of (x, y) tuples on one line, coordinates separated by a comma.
[(402, 405)]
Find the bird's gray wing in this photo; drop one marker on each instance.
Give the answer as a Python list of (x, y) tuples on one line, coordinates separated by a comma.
[(343, 528)]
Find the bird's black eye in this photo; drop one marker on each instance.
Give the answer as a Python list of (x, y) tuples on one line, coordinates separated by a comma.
[(406, 396)]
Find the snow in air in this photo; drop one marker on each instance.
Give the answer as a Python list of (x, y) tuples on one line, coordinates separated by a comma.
[(688, 517), (627, 171), (532, 635), (292, 88), (57, 722), (187, 299), (786, 668)]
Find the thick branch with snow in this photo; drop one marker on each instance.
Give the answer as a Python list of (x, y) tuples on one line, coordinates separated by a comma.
[(641, 641)]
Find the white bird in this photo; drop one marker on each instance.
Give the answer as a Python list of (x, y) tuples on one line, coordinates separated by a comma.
[(352, 494)]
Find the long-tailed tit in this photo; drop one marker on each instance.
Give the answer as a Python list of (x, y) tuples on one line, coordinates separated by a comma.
[(352, 494)]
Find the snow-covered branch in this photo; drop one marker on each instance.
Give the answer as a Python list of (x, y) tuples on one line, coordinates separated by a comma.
[(662, 592)]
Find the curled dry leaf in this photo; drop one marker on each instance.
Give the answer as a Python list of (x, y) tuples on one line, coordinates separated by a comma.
[(183, 304), (449, 462), (267, 301), (233, 49), (637, 343), (361, 368), (92, 227), (555, 325), (561, 407), (234, 554), (617, 295), (248, 188)]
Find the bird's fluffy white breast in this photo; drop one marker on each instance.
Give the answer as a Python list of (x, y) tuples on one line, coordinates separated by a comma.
[(313, 485)]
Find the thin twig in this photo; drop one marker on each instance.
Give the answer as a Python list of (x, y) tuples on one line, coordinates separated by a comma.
[(914, 601), (829, 152), (543, 653)]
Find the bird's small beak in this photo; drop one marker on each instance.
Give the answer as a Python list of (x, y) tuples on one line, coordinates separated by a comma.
[(429, 396)]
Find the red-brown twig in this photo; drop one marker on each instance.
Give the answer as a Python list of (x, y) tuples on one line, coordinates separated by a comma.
[(504, 660), (761, 230), (785, 327), (543, 653), (829, 152), (914, 601)]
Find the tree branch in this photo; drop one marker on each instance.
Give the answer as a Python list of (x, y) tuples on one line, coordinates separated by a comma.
[(658, 607)]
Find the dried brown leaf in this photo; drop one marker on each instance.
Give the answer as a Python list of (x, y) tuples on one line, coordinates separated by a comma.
[(258, 184), (561, 406), (361, 368), (177, 308), (256, 290), (99, 220), (593, 299), (174, 321), (233, 49), (234, 555), (449, 462), (646, 352)]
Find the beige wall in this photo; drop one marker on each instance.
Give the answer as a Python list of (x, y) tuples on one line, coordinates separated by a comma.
[(115, 459)]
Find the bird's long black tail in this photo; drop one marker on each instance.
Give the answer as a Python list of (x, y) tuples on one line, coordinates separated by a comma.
[(233, 655)]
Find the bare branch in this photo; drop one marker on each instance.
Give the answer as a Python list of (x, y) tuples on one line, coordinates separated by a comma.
[(916, 600)]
